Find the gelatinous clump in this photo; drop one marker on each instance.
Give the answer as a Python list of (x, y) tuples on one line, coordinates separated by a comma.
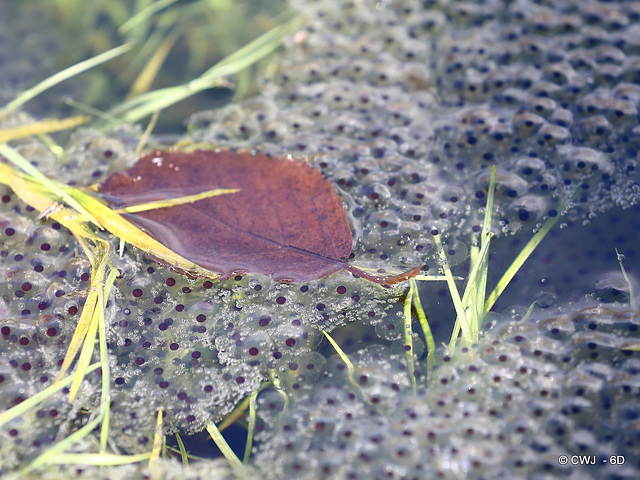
[(527, 393)]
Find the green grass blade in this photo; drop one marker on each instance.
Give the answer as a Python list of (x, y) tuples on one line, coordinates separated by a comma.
[(94, 112), (183, 451), (473, 297), (488, 211), (143, 105), (408, 340), (32, 401), (51, 454), (63, 75), (56, 188), (224, 447), (461, 321), (426, 329), (144, 15), (480, 280), (518, 262), (343, 356), (105, 397)]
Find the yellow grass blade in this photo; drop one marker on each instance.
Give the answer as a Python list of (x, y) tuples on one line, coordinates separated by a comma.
[(142, 207), (46, 125), (157, 440), (235, 415), (125, 230), (150, 71), (57, 191), (93, 319), (81, 330), (426, 329)]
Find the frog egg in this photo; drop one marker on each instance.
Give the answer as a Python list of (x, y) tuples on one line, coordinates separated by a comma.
[(526, 123), (544, 88), (529, 167), (508, 184), (613, 287), (594, 127), (513, 97), (585, 161), (594, 103), (622, 112), (542, 106), (553, 135), (608, 74), (562, 117), (527, 208)]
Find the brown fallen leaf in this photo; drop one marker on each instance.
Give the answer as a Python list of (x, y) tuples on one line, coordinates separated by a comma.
[(285, 221)]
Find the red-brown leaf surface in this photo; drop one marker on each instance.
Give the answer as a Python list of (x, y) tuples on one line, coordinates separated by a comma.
[(286, 221)]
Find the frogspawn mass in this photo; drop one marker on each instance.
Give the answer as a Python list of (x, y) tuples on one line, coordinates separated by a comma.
[(286, 221)]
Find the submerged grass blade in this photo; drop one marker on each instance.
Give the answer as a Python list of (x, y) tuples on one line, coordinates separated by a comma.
[(63, 75), (154, 64), (341, 354), (183, 451), (632, 297), (252, 426), (147, 132), (518, 262), (224, 447)]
